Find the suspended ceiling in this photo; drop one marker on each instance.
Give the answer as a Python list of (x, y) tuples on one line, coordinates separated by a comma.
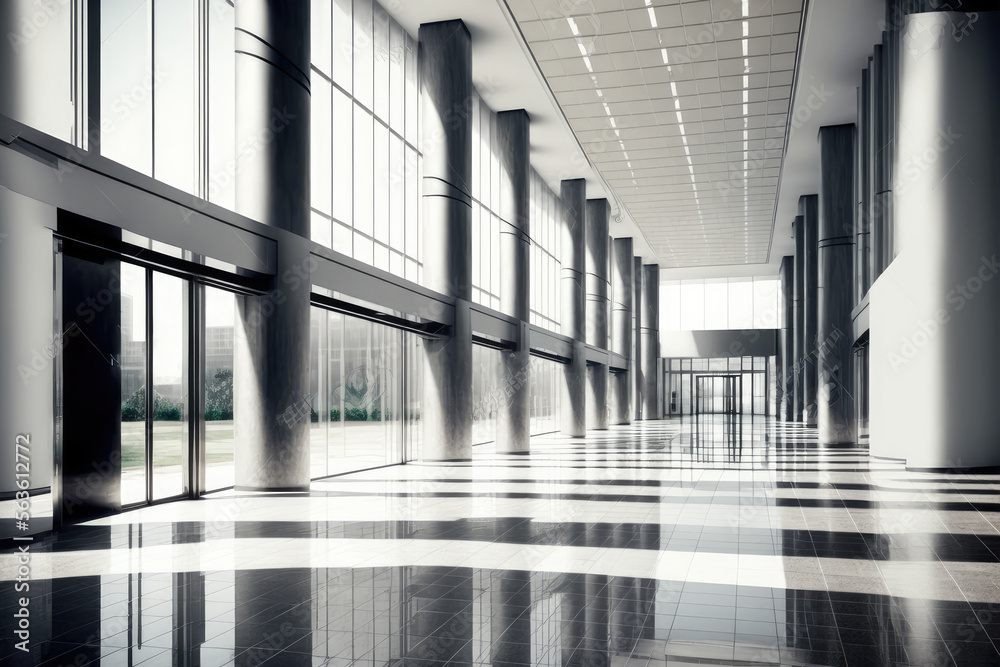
[(682, 107)]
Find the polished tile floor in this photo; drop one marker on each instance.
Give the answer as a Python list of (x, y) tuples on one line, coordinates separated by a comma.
[(716, 541)]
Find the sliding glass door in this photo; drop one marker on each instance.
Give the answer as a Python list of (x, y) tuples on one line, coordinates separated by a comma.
[(219, 373), (155, 441)]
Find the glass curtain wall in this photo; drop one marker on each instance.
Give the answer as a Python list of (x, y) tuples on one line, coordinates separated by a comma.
[(545, 383), (756, 375), (724, 303), (357, 375), (486, 259), (489, 393), (150, 87), (491, 390), (546, 213), (365, 161)]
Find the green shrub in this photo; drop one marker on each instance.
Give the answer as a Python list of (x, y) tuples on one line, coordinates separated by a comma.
[(355, 415), (219, 396), (335, 415), (165, 410), (134, 409)]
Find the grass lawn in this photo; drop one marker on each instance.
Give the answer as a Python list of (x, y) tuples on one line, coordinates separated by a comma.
[(169, 440)]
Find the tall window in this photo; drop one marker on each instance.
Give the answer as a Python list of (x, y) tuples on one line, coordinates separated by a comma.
[(365, 160), (719, 303), (150, 88), (546, 210), (486, 260)]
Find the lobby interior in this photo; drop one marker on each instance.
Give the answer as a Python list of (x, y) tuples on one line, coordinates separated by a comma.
[(503, 332)]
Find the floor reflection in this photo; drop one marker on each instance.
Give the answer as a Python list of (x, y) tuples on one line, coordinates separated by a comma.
[(462, 616), (734, 542)]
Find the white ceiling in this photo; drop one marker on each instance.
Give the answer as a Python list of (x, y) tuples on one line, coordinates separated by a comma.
[(839, 38), (682, 106), (527, 56), (507, 77)]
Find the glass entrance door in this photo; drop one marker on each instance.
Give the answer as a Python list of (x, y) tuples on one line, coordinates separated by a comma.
[(155, 440), (718, 394)]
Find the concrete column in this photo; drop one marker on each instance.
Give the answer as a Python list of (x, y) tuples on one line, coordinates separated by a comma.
[(620, 398), (651, 405), (28, 348), (834, 398), (446, 90), (798, 330), (786, 376), (514, 418), (574, 305), (598, 221), (809, 212), (271, 352), (934, 358), (862, 249), (637, 338)]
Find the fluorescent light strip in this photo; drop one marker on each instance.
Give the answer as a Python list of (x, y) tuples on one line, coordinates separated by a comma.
[(652, 16), (572, 26)]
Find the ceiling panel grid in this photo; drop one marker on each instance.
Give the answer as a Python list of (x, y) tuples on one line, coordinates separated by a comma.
[(682, 106)]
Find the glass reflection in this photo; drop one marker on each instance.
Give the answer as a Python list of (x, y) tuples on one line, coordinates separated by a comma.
[(416, 615), (133, 327), (170, 385), (356, 383)]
